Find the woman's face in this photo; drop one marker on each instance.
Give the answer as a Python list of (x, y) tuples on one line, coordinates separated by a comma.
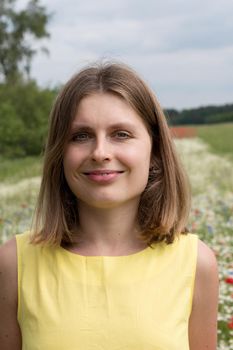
[(107, 158)]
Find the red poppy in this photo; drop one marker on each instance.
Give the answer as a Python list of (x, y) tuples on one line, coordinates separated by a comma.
[(230, 324), (229, 280)]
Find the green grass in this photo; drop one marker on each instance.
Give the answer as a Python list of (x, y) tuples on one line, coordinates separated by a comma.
[(219, 137), (13, 170)]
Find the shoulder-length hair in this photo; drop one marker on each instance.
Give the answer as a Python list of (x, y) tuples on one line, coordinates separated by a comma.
[(165, 203)]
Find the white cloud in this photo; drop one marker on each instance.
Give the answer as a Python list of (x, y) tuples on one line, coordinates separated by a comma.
[(183, 48)]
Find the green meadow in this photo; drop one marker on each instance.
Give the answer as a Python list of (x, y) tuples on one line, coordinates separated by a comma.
[(219, 137), (13, 170)]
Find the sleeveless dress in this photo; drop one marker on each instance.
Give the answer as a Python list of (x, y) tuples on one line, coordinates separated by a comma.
[(141, 301)]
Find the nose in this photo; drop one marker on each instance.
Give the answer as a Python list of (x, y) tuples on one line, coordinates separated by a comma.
[(101, 150)]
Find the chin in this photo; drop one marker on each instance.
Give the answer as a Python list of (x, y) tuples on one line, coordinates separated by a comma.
[(108, 203), (104, 204)]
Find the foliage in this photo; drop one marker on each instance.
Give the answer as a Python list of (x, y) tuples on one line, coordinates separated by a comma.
[(219, 118), (17, 29), (201, 115), (24, 107), (24, 111)]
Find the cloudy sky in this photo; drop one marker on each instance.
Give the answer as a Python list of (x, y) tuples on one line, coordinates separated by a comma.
[(182, 48)]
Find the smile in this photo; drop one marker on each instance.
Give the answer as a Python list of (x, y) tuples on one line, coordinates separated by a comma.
[(103, 176), (102, 172)]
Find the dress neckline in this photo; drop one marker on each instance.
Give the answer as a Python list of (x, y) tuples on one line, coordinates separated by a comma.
[(110, 257)]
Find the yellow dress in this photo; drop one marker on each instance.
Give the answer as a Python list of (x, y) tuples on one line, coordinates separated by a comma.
[(141, 301)]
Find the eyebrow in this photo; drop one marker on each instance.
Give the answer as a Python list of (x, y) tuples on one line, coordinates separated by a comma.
[(121, 125)]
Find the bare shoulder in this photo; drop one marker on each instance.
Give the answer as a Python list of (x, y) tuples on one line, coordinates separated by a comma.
[(8, 260), (203, 318), (9, 329), (206, 280), (206, 260), (8, 247), (8, 273), (206, 256)]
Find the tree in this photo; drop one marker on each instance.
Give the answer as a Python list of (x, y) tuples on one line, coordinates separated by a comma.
[(17, 29), (24, 112)]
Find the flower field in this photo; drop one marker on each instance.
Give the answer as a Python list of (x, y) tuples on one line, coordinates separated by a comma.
[(211, 217)]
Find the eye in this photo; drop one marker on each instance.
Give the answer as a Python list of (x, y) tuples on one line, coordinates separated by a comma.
[(80, 137), (122, 135)]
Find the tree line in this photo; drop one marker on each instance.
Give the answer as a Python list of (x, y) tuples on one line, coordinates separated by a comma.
[(201, 115)]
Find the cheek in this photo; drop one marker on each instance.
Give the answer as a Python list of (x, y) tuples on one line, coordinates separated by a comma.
[(71, 163), (72, 158), (138, 159), (141, 153)]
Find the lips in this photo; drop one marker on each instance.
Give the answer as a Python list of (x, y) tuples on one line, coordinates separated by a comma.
[(103, 176), (103, 172)]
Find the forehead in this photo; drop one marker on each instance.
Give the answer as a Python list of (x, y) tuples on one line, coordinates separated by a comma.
[(106, 108)]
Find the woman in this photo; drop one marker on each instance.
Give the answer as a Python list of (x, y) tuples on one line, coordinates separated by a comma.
[(109, 264)]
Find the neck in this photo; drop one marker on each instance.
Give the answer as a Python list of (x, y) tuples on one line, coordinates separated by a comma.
[(108, 231)]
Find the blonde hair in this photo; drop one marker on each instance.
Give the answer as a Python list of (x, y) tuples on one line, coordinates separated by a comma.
[(165, 203)]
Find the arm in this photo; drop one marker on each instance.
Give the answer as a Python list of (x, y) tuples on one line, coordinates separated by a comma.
[(203, 318), (10, 336)]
